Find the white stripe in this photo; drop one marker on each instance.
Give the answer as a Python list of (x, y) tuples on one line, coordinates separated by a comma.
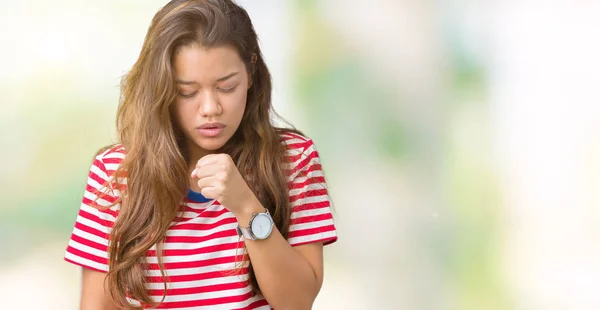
[(241, 304), (311, 212), (296, 150), (312, 238), (310, 174), (99, 172), (195, 257), (199, 232), (93, 197), (174, 231), (200, 283), (195, 245), (90, 237), (310, 199), (86, 262), (312, 161), (310, 225), (201, 205), (111, 166), (94, 225), (202, 296), (113, 154), (306, 188), (101, 187), (187, 271), (105, 216), (86, 249), (294, 140)]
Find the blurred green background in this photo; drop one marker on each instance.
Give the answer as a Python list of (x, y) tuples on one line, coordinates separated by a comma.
[(460, 140)]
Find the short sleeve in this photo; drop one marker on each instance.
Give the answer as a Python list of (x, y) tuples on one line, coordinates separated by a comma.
[(311, 218), (88, 246)]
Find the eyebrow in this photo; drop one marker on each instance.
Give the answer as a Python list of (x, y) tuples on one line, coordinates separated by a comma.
[(221, 79)]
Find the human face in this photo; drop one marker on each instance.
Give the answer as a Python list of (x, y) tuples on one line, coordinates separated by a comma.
[(212, 85)]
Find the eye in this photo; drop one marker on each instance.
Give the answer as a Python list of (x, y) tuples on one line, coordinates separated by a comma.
[(190, 95), (227, 90)]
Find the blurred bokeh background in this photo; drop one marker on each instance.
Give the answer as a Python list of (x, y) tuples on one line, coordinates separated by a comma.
[(460, 139)]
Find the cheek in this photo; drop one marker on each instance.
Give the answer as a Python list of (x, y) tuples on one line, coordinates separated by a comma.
[(183, 113), (236, 103)]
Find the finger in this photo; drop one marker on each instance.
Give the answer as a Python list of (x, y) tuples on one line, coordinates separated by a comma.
[(209, 192), (207, 182), (207, 171), (208, 159), (205, 161)]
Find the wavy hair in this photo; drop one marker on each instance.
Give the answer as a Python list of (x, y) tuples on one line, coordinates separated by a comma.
[(156, 160)]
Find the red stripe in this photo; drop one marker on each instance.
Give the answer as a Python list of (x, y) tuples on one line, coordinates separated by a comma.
[(205, 214), (256, 304), (100, 194), (91, 230), (311, 206), (202, 226), (313, 180), (310, 193), (112, 160), (295, 158), (204, 302), (291, 134), (199, 289), (198, 239), (83, 265), (202, 250), (200, 263), (90, 243), (95, 176), (198, 276), (95, 218), (298, 145), (311, 231), (215, 213), (312, 218), (88, 256), (305, 162), (285, 138)]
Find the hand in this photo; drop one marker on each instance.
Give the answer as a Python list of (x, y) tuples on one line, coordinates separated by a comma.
[(219, 178)]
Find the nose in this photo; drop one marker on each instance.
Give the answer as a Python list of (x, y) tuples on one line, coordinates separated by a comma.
[(209, 104)]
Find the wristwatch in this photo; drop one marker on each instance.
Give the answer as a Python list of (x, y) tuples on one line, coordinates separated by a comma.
[(260, 228)]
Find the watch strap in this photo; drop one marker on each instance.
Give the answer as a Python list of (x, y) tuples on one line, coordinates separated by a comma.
[(245, 232)]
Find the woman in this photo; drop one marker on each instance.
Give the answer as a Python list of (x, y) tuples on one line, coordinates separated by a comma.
[(203, 203)]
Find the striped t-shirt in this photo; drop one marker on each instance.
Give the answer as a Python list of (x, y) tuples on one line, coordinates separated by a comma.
[(202, 248)]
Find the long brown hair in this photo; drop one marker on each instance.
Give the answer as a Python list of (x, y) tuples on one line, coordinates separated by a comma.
[(156, 160)]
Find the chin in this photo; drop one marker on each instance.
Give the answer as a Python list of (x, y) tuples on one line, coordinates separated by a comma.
[(210, 144)]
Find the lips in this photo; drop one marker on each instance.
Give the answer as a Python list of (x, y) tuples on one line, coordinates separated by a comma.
[(211, 126), (210, 130)]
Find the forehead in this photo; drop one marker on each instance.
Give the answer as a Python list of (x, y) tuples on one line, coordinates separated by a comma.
[(201, 64)]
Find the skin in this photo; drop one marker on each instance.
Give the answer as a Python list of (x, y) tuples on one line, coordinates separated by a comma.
[(213, 84)]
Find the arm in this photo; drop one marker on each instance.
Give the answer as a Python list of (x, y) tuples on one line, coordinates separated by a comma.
[(94, 295), (88, 245), (289, 277), (289, 272)]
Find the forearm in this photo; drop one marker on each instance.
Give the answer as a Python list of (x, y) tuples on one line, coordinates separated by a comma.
[(94, 293), (286, 278)]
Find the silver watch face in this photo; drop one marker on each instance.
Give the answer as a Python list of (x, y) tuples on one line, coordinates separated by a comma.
[(261, 226)]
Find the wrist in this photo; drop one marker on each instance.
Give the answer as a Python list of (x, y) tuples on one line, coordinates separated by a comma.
[(247, 211)]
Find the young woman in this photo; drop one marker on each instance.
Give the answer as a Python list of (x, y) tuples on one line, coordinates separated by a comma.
[(203, 203)]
